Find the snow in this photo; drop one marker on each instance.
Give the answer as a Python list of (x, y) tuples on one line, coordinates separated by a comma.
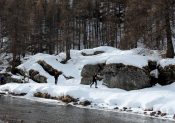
[(155, 73), (166, 62), (158, 98), (129, 60)]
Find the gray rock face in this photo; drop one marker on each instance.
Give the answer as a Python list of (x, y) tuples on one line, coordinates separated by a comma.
[(20, 71), (34, 75), (49, 68), (7, 78), (125, 77), (40, 79), (166, 75), (95, 53), (86, 80), (88, 72)]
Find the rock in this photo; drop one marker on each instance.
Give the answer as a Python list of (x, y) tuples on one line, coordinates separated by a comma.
[(95, 53), (116, 108), (86, 80), (148, 110), (174, 117), (153, 113), (34, 75), (20, 71), (84, 54), (75, 103), (40, 79), (159, 113), (20, 94), (47, 96), (166, 75), (152, 65), (1, 63), (88, 72), (48, 68), (98, 52), (67, 99), (1, 68), (125, 108), (43, 95), (9, 79), (15, 80), (8, 69), (163, 114), (38, 94), (5, 77), (126, 77), (85, 103), (68, 77)]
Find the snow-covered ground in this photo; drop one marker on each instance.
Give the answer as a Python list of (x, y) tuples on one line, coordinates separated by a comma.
[(157, 98)]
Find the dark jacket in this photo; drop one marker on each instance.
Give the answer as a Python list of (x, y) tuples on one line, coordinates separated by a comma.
[(94, 78)]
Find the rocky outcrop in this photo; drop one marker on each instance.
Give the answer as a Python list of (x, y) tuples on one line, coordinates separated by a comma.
[(166, 74), (125, 77), (118, 76), (7, 78), (89, 70), (48, 68), (34, 75), (20, 71), (85, 103), (95, 53), (152, 65)]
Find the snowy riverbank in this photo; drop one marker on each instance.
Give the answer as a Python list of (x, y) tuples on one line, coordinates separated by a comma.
[(157, 101)]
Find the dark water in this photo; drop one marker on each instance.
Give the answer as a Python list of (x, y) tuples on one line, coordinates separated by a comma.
[(14, 110)]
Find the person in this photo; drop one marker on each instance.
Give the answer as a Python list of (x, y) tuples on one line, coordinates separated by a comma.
[(56, 75), (94, 80)]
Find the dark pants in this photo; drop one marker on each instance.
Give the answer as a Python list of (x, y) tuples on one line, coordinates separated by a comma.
[(56, 80), (93, 83)]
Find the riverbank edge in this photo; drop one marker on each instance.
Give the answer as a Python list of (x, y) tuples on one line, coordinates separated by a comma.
[(60, 103)]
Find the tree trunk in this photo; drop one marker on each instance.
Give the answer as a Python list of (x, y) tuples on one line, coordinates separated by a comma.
[(170, 49)]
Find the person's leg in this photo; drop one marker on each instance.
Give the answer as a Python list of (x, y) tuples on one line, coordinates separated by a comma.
[(91, 84), (55, 81), (95, 84)]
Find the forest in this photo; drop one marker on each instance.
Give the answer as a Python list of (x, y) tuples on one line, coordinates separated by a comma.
[(54, 26)]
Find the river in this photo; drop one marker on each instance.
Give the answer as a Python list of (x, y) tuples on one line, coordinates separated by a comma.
[(15, 110)]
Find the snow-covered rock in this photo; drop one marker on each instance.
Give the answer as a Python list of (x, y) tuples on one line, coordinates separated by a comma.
[(126, 77), (35, 75), (89, 70)]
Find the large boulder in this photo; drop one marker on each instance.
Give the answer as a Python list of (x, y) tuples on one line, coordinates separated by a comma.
[(5, 77), (88, 72), (8, 78), (34, 75), (126, 77), (166, 74), (48, 68), (40, 79), (86, 80)]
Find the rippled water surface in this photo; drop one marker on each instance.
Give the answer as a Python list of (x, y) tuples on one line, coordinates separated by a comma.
[(15, 110)]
